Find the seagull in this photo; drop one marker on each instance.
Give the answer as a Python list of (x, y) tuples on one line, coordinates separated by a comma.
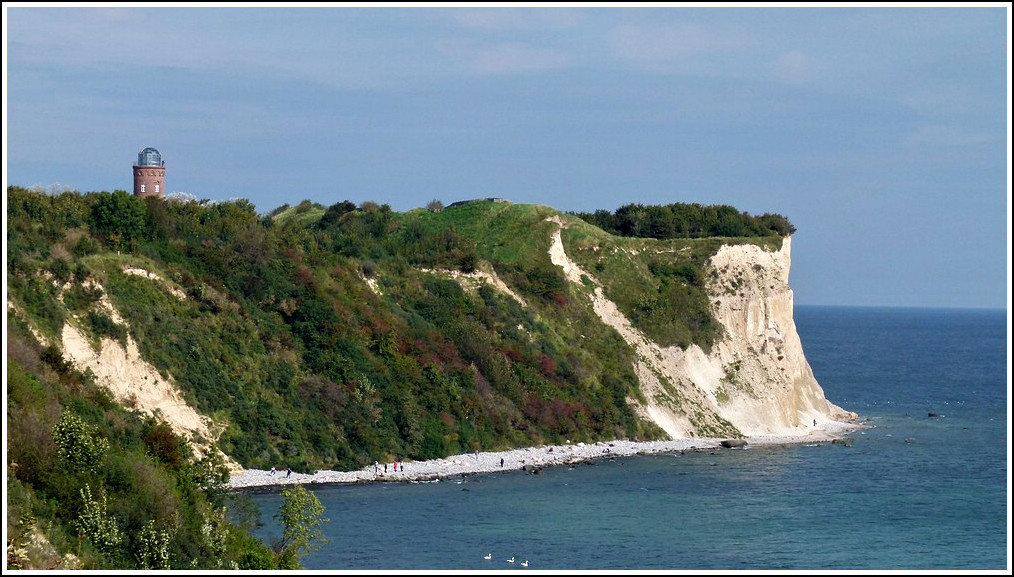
[(511, 560), (524, 563), (488, 556)]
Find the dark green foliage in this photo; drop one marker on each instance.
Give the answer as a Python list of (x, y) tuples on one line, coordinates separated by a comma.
[(163, 444), (257, 560), (60, 270), (103, 326), (40, 301), (545, 281), (686, 220), (334, 213), (119, 218), (80, 297)]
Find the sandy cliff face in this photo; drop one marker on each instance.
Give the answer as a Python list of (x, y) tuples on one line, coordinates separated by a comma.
[(755, 381), (767, 385), (135, 382), (139, 385)]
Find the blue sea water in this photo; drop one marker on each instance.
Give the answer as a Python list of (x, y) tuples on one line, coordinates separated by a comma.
[(912, 492)]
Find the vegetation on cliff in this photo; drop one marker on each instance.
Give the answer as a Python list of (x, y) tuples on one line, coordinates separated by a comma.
[(93, 485), (315, 337), (686, 220)]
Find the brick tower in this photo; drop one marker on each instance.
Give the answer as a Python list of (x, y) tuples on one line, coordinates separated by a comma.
[(149, 174)]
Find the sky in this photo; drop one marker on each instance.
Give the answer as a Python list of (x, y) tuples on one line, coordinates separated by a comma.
[(882, 133)]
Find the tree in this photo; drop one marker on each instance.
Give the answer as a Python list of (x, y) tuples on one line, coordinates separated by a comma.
[(152, 547), (97, 524), (119, 217), (80, 447), (301, 516)]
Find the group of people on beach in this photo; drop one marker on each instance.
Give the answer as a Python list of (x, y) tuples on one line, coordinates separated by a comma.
[(397, 467), (288, 472)]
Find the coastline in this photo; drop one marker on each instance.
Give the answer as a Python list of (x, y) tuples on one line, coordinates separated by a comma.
[(532, 459)]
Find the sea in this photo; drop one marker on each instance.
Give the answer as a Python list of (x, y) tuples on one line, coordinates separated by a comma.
[(925, 487)]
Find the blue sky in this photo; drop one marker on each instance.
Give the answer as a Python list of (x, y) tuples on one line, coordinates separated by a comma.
[(881, 133)]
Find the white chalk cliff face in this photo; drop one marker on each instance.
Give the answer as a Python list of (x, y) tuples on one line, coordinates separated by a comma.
[(755, 381), (774, 391)]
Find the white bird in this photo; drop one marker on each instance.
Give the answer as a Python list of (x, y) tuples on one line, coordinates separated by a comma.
[(488, 556), (511, 560), (524, 563)]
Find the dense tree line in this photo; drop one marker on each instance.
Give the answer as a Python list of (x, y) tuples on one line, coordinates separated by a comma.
[(686, 220)]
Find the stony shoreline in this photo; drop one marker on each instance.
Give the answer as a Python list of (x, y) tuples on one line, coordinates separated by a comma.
[(531, 458)]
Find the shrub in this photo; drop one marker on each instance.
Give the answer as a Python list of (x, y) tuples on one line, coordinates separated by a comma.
[(80, 448), (97, 525), (152, 550), (163, 444)]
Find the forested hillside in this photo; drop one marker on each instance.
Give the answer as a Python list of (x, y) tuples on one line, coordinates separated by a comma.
[(313, 337)]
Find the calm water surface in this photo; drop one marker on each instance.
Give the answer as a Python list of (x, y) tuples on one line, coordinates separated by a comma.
[(913, 492)]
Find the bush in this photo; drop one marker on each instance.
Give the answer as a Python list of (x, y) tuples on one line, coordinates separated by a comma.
[(79, 447), (164, 445), (97, 525)]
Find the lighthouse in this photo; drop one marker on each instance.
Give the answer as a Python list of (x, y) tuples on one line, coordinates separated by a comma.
[(149, 174)]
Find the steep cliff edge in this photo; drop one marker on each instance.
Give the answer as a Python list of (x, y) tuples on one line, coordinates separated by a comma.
[(755, 381), (767, 386)]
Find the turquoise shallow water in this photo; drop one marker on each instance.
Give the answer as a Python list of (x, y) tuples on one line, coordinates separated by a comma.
[(912, 492)]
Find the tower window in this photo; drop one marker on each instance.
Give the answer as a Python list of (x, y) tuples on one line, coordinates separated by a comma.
[(156, 189), (142, 188)]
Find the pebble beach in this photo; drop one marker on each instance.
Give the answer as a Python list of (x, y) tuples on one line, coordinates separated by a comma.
[(532, 459)]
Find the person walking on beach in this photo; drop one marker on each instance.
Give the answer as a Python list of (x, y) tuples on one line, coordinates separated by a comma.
[(288, 472), (501, 462)]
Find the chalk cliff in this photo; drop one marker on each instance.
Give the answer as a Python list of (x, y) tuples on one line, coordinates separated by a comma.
[(752, 381), (755, 381)]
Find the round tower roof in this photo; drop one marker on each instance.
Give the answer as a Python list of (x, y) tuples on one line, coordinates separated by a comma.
[(149, 157)]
